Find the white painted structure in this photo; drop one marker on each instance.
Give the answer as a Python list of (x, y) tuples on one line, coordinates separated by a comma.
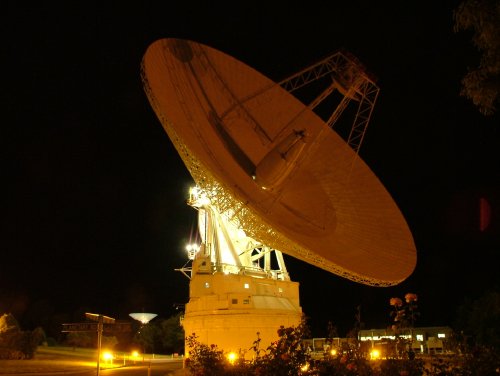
[(239, 289)]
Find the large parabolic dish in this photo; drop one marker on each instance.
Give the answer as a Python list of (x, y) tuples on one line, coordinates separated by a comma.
[(233, 127)]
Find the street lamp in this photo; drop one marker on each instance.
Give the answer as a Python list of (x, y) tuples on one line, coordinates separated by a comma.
[(101, 320)]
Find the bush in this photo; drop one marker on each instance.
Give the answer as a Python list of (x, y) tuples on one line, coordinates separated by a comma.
[(287, 357), (204, 360), (284, 357), (482, 361), (17, 344), (400, 367)]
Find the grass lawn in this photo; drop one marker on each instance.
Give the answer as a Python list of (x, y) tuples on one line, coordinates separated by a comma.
[(56, 359)]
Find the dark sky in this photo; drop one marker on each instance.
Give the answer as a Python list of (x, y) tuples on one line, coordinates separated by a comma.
[(93, 211)]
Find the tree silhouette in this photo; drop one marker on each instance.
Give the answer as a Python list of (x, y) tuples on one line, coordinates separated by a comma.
[(482, 84)]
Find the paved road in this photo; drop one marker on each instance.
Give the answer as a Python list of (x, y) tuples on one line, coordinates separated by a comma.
[(155, 368), (166, 368)]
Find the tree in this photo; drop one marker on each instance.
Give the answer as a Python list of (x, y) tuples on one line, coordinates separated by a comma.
[(358, 324), (480, 320), (9, 331), (109, 342), (15, 343), (482, 84), (172, 335), (332, 332), (81, 339), (8, 323), (148, 337)]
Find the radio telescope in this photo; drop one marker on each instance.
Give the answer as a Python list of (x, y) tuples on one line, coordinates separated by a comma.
[(143, 317), (272, 176)]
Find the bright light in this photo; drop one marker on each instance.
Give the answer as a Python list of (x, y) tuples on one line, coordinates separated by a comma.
[(135, 354), (198, 197), (374, 354), (107, 356), (204, 200), (333, 352), (232, 357), (192, 249), (193, 191), (305, 367)]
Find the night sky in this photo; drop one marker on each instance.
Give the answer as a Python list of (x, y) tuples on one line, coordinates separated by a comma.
[(93, 212)]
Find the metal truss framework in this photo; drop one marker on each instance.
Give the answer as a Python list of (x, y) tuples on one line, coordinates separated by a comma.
[(229, 248), (350, 78), (358, 86)]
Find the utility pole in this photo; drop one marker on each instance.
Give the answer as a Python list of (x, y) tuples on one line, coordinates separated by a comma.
[(101, 320), (100, 329)]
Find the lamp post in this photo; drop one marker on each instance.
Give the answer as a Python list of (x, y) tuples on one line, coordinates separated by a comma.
[(101, 320)]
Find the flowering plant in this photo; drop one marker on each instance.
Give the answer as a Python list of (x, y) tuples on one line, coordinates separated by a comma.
[(404, 315), (395, 302), (411, 298)]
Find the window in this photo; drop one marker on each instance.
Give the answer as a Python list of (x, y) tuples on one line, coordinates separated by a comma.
[(441, 335), (247, 286), (280, 289), (419, 337), (246, 301), (234, 301)]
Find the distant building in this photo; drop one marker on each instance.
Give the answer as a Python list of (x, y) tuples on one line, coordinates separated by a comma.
[(423, 340), (319, 347)]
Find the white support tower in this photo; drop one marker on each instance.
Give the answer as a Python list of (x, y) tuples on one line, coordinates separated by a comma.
[(239, 289)]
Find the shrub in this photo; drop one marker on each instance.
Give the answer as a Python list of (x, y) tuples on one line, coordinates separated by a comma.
[(286, 356), (203, 360), (14, 343)]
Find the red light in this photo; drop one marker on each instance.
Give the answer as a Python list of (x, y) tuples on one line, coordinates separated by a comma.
[(484, 214)]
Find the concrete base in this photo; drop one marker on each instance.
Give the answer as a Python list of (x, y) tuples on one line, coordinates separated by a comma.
[(229, 310)]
